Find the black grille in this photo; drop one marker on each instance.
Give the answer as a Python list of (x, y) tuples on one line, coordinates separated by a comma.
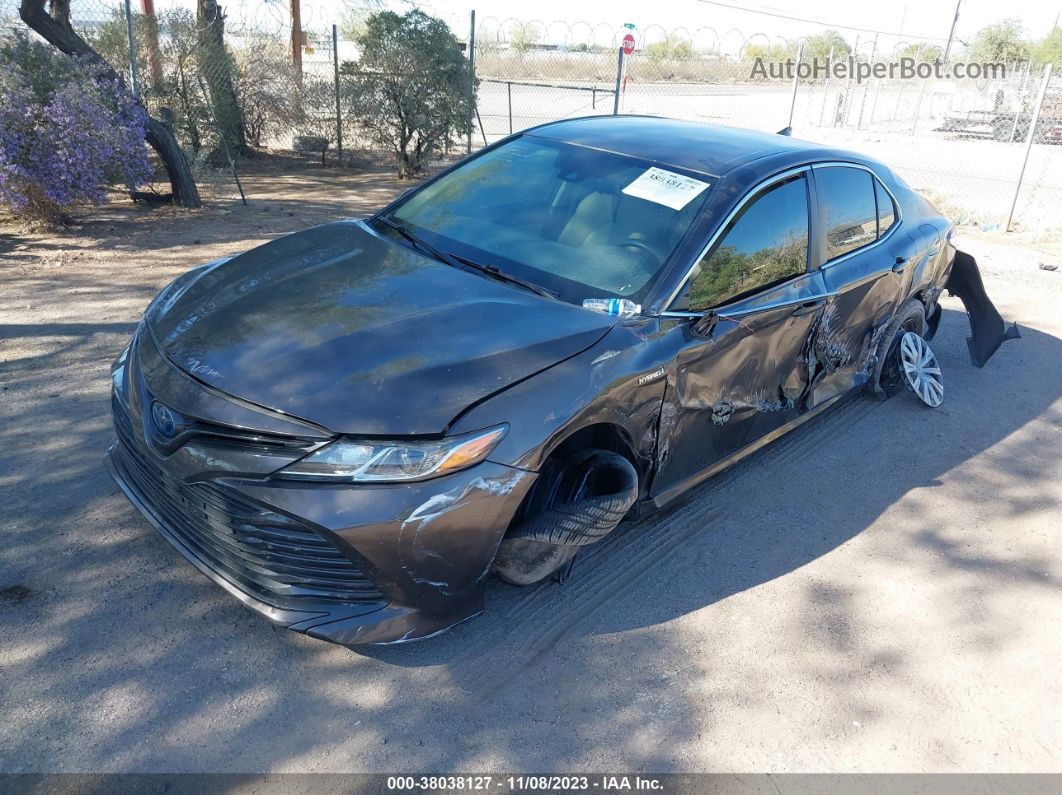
[(274, 558)]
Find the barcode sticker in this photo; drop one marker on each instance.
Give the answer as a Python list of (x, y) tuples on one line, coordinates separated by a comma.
[(666, 188)]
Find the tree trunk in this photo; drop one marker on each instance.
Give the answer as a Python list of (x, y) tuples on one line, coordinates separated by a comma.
[(216, 68), (57, 31)]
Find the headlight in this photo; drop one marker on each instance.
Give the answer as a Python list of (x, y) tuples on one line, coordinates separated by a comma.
[(359, 461)]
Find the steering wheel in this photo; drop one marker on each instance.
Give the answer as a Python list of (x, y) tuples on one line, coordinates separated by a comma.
[(642, 247)]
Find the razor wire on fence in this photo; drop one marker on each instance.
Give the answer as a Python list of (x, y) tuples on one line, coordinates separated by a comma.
[(248, 74)]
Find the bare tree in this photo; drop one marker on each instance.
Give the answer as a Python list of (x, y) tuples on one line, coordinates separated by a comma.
[(55, 28)]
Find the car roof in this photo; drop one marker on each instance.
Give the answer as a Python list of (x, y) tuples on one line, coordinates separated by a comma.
[(708, 148)]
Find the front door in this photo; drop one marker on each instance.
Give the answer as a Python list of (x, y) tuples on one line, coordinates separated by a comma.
[(742, 369)]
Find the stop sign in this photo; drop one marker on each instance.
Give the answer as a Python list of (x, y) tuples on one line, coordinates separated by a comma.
[(628, 44)]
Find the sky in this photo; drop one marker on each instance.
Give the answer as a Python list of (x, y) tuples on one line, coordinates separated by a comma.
[(919, 17), (653, 19)]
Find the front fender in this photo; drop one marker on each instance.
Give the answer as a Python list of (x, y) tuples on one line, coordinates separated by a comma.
[(618, 381)]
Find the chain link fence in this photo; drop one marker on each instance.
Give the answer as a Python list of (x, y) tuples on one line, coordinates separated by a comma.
[(231, 75), (962, 142)]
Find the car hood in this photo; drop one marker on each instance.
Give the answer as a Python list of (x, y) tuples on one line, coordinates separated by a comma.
[(343, 328)]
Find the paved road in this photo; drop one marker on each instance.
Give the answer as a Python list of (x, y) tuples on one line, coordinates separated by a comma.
[(881, 590)]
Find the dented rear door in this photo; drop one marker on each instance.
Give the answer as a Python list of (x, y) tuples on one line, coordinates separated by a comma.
[(864, 269)]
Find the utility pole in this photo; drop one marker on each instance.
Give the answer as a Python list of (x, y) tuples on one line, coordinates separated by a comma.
[(152, 35), (951, 33), (296, 38)]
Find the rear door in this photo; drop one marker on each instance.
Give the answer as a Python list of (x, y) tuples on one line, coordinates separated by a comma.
[(863, 264), (741, 369)]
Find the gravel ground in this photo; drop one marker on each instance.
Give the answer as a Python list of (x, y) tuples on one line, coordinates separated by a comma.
[(879, 591)]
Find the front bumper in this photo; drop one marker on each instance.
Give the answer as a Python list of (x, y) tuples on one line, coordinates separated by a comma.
[(347, 563)]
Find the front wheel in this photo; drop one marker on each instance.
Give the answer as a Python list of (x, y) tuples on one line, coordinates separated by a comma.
[(580, 501)]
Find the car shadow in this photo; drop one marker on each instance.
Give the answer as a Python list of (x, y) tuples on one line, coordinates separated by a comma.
[(791, 503), (123, 657)]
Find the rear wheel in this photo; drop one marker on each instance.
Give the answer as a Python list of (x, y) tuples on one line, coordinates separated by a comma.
[(887, 377)]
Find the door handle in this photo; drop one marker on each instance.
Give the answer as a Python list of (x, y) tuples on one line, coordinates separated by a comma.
[(808, 307), (900, 264)]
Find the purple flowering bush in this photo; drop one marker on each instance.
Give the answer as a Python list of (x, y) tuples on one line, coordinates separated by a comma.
[(66, 132)]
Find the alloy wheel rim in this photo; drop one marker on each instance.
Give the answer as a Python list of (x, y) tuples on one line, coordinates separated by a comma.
[(921, 371)]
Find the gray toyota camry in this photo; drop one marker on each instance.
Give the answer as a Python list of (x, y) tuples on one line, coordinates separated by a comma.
[(351, 427)]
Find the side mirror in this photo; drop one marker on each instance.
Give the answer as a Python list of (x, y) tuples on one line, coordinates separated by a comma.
[(704, 325)]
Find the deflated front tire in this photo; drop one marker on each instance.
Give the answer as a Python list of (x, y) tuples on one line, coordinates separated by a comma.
[(582, 503)]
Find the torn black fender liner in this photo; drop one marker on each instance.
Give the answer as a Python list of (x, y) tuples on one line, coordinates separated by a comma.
[(987, 329), (592, 492)]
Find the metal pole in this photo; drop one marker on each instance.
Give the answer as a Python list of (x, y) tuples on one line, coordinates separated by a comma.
[(796, 81), (339, 113), (472, 70), (1029, 143), (854, 56), (619, 78), (826, 87), (1021, 101), (951, 33), (133, 79), (918, 106), (863, 102), (224, 142), (509, 89)]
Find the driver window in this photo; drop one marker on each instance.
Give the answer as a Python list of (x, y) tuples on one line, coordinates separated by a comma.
[(765, 244)]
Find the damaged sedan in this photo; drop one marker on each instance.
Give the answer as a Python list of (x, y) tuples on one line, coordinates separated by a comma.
[(350, 428)]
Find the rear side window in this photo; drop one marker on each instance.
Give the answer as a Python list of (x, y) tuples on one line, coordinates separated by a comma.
[(886, 209), (849, 208), (763, 245)]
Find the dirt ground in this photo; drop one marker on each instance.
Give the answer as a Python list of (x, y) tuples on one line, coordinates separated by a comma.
[(879, 591)]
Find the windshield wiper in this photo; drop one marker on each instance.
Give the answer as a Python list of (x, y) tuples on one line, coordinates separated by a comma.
[(427, 248), (497, 273), (460, 262)]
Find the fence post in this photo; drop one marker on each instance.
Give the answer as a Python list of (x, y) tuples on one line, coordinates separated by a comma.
[(472, 70), (509, 90), (619, 79), (133, 77), (863, 102), (826, 87), (1021, 101), (1029, 142), (224, 141), (796, 81), (847, 107), (918, 106), (339, 114)]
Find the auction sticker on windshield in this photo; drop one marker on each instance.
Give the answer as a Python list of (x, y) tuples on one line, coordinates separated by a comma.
[(666, 188)]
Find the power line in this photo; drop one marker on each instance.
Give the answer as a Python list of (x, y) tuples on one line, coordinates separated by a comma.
[(815, 21)]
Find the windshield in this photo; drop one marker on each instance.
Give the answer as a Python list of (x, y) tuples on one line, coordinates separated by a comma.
[(580, 222)]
